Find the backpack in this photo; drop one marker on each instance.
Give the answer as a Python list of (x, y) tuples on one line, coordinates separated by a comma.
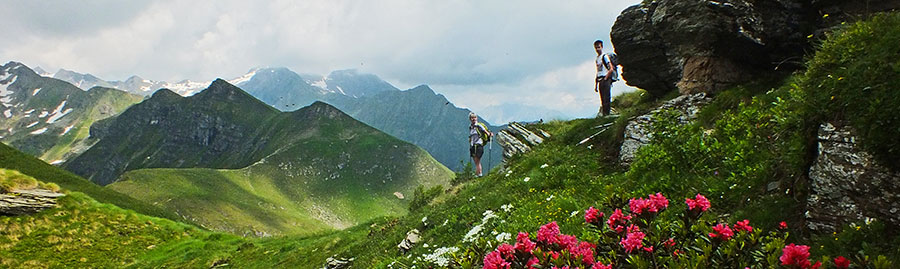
[(614, 61), (483, 132)]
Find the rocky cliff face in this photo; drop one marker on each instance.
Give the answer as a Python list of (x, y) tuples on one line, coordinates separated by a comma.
[(847, 184), (705, 46)]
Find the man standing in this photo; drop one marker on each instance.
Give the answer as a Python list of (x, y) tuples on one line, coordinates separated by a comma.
[(604, 77), (478, 135)]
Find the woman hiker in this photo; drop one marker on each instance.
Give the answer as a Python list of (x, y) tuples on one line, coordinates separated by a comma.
[(478, 136)]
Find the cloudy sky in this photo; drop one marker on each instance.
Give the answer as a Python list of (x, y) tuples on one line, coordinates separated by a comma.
[(481, 54)]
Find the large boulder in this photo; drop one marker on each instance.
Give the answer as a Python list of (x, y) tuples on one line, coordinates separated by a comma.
[(705, 46), (847, 185)]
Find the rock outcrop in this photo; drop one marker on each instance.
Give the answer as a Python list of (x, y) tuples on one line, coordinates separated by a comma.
[(847, 185), (412, 238), (20, 202), (705, 46), (637, 131), (516, 139)]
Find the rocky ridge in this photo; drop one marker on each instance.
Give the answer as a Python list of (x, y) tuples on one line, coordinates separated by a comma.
[(20, 202)]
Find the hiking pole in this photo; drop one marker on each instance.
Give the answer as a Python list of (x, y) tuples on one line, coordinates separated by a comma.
[(490, 154)]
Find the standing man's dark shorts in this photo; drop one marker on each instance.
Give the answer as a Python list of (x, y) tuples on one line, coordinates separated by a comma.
[(476, 151)]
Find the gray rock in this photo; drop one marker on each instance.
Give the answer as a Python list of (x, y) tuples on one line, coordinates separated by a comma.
[(337, 263), (412, 238), (847, 185), (706, 46), (515, 139), (31, 201), (637, 131)]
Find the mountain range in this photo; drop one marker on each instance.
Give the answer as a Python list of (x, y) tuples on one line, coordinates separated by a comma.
[(418, 115), (227, 161), (50, 118)]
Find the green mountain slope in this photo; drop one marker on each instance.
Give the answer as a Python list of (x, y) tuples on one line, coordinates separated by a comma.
[(50, 118), (282, 172), (11, 158)]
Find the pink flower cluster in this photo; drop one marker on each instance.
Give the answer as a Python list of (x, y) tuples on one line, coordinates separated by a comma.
[(592, 215), (550, 242), (841, 262), (721, 231), (617, 221), (700, 204), (633, 240), (654, 204), (797, 256), (743, 225)]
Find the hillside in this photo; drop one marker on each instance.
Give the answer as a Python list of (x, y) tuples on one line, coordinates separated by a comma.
[(11, 158), (279, 172), (50, 118)]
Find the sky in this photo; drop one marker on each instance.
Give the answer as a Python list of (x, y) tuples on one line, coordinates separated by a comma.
[(482, 55)]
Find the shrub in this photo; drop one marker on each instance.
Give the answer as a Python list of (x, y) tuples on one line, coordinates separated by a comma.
[(855, 76), (422, 197)]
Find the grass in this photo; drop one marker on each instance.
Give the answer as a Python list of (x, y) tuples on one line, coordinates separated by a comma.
[(26, 164), (12, 180)]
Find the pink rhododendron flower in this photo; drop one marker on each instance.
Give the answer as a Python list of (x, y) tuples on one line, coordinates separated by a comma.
[(659, 201), (549, 233), (568, 241), (592, 215), (743, 225), (554, 255), (617, 221), (639, 206), (585, 250), (795, 255), (669, 243), (722, 231), (523, 243), (700, 203), (782, 225), (600, 265), (494, 261), (532, 261), (633, 241), (841, 262), (506, 251), (648, 249)]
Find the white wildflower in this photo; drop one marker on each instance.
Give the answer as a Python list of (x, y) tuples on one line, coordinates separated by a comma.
[(503, 237), (475, 231), (445, 222), (544, 166), (574, 213), (506, 207), (439, 256), (550, 198), (526, 179)]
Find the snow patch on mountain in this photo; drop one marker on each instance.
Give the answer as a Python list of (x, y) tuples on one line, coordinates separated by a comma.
[(242, 79), (43, 114), (39, 131), (35, 91), (32, 124), (58, 112), (8, 113), (5, 93), (66, 130)]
